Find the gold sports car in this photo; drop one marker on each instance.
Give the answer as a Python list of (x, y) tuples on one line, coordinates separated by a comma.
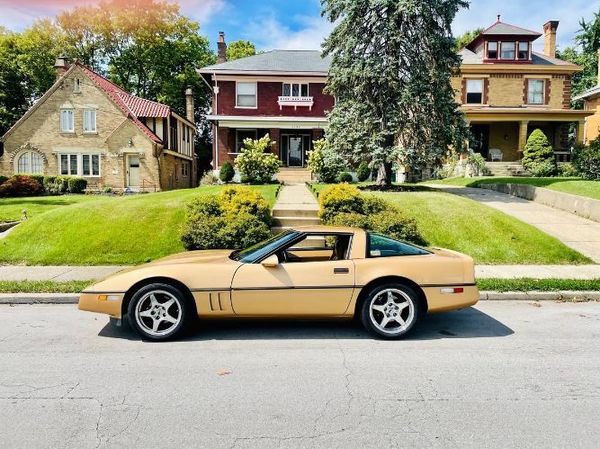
[(312, 272)]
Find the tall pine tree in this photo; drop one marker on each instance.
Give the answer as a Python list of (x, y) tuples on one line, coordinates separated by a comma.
[(392, 61)]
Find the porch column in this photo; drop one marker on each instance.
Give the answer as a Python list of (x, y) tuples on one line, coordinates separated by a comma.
[(275, 134), (580, 132), (522, 136)]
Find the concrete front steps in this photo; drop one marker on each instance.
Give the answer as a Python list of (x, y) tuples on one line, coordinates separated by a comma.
[(506, 169), (292, 218), (293, 175), (296, 206)]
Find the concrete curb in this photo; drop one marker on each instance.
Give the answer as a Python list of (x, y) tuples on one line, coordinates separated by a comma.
[(72, 298)]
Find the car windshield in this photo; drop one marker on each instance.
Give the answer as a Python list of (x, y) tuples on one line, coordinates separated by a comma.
[(262, 249)]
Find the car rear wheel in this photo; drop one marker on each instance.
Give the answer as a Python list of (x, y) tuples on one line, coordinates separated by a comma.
[(158, 312), (390, 311)]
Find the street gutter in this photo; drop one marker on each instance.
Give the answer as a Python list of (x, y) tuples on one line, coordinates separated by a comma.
[(567, 296)]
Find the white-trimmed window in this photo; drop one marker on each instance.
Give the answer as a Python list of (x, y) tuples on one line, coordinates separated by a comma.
[(240, 136), (30, 163), (492, 50), (245, 95), (507, 50), (89, 121), (523, 50), (79, 164), (67, 121), (536, 91), (295, 90), (474, 94)]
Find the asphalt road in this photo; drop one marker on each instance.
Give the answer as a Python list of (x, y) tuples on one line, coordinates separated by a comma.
[(501, 375)]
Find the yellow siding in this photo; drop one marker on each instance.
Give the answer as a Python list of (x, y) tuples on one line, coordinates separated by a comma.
[(592, 123)]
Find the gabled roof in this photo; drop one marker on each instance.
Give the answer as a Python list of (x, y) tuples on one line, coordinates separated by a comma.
[(501, 28), (132, 107), (590, 93), (310, 62)]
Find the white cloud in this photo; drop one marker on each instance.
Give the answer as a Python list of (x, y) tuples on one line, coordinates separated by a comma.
[(201, 10), (269, 33)]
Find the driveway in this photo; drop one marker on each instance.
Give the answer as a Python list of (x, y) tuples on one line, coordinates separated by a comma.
[(579, 233), (500, 375)]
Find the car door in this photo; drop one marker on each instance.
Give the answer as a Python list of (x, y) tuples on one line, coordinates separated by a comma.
[(310, 288)]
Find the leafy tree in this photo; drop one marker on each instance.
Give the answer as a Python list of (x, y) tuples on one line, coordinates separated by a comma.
[(240, 49), (588, 38), (390, 73), (466, 38)]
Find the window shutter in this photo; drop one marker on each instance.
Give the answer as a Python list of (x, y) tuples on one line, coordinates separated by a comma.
[(464, 91), (547, 91), (486, 86), (525, 90)]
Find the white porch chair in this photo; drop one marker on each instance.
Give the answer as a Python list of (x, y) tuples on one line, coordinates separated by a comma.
[(496, 154)]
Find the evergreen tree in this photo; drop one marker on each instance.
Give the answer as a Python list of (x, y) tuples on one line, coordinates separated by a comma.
[(391, 67)]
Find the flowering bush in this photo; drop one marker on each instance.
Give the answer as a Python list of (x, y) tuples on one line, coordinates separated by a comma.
[(325, 163), (256, 164)]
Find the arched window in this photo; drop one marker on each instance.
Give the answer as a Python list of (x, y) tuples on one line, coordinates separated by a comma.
[(30, 162)]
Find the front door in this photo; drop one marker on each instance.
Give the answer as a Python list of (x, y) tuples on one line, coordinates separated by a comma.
[(133, 171), (480, 139), (294, 148), (314, 278)]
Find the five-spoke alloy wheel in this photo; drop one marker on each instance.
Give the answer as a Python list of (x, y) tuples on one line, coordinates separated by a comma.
[(158, 311), (390, 311)]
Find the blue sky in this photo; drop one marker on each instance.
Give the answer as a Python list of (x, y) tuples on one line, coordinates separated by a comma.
[(297, 23)]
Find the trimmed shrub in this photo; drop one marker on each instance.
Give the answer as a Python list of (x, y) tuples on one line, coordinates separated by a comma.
[(209, 179), (325, 163), (345, 205), (345, 177), (538, 155), (3, 179), (586, 160), (257, 164), (237, 218), (56, 185), (227, 172), (76, 184), (363, 172), (239, 200), (38, 178), (21, 185), (567, 170)]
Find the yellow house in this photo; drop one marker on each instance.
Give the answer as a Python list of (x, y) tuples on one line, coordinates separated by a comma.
[(591, 103), (507, 90)]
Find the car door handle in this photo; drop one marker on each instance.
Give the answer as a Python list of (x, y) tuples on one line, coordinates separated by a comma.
[(341, 271)]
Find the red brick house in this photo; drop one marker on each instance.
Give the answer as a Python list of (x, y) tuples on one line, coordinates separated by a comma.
[(278, 92)]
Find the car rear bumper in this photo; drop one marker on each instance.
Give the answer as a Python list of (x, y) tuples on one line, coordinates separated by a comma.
[(109, 303), (443, 298)]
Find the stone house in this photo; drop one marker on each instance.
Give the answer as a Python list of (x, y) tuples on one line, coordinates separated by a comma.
[(86, 126)]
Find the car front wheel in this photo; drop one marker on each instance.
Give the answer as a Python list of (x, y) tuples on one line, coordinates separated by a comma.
[(390, 311), (158, 312)]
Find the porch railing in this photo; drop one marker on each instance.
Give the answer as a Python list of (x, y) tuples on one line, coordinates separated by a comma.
[(562, 156)]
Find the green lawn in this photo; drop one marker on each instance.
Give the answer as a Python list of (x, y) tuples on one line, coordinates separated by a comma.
[(574, 186), (489, 236), (107, 230), (11, 209)]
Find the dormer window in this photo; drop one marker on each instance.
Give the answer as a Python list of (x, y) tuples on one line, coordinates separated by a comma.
[(507, 50), (523, 52), (492, 50)]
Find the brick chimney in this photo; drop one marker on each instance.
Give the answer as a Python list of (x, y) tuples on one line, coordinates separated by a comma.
[(222, 48), (550, 28), (61, 66), (189, 104)]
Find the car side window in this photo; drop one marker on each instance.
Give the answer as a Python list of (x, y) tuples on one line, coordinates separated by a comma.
[(382, 246), (317, 248)]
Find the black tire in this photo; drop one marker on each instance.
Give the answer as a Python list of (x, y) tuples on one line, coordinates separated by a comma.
[(395, 311), (173, 317)]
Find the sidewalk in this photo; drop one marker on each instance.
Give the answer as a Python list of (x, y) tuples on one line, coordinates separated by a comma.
[(575, 232), (66, 273)]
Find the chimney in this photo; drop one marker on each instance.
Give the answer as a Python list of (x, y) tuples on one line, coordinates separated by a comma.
[(189, 104), (222, 48), (550, 28), (61, 66)]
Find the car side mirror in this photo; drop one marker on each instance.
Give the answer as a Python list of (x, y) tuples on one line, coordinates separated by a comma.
[(270, 262)]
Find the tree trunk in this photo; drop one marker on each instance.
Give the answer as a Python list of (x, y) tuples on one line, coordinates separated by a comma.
[(384, 174)]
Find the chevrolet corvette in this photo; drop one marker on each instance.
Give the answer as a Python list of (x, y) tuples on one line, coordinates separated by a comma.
[(304, 273)]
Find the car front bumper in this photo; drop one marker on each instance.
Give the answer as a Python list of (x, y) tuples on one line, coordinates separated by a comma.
[(109, 303)]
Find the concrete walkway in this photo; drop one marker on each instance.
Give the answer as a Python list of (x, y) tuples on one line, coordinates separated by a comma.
[(581, 234), (295, 206)]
